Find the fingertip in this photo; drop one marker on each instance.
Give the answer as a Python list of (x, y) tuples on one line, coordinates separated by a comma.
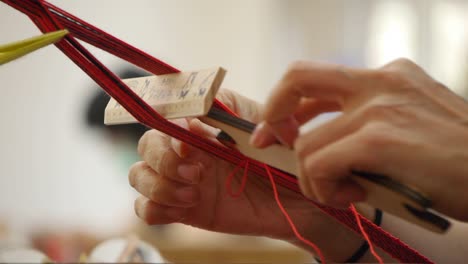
[(176, 214), (339, 194), (180, 148), (139, 205), (285, 130), (182, 122), (198, 127), (260, 136), (156, 214), (306, 188), (349, 192)]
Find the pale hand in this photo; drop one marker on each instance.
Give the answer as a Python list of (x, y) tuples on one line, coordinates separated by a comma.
[(396, 121)]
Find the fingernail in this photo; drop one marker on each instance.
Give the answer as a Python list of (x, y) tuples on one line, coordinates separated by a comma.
[(286, 131), (281, 139), (258, 137), (189, 172), (180, 122), (345, 197), (186, 194), (179, 148)]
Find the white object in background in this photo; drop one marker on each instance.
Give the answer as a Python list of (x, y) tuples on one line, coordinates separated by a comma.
[(125, 250), (22, 255)]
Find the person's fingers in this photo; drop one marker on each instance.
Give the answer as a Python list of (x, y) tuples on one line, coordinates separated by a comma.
[(322, 82), (339, 194), (285, 132), (264, 135), (327, 82), (160, 156), (151, 145), (370, 114), (198, 127), (406, 68), (156, 214), (310, 108), (327, 171), (160, 189)]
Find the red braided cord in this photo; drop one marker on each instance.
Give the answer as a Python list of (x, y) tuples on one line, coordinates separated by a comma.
[(49, 18)]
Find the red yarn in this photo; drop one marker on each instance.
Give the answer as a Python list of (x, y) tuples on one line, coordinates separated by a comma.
[(288, 218), (364, 234), (243, 180), (49, 18)]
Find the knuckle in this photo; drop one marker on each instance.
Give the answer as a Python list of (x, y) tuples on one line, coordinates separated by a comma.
[(403, 61), (149, 216), (143, 143), (440, 85), (144, 211), (377, 135), (296, 68), (151, 140), (400, 62), (392, 79), (375, 111)]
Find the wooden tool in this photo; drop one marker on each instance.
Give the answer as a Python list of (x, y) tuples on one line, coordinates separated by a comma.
[(192, 93)]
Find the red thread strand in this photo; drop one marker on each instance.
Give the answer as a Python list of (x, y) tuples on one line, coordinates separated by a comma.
[(288, 218), (243, 180), (365, 235)]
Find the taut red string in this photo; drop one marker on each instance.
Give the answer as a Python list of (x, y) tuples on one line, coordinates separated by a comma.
[(288, 218), (243, 182)]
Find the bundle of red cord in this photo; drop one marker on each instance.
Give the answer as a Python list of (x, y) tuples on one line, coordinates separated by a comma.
[(49, 18)]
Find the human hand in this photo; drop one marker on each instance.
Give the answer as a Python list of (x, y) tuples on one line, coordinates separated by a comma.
[(182, 184), (396, 121)]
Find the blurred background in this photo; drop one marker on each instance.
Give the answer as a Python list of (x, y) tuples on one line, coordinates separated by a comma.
[(63, 183)]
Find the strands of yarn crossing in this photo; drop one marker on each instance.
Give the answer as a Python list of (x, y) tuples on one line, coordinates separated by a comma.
[(365, 235)]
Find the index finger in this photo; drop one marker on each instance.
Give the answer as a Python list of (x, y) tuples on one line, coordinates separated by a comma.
[(327, 82)]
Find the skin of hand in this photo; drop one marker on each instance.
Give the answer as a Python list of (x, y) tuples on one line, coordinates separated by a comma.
[(396, 121), (181, 184)]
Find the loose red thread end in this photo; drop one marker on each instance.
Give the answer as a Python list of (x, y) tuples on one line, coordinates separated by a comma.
[(288, 218), (366, 236), (243, 181)]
